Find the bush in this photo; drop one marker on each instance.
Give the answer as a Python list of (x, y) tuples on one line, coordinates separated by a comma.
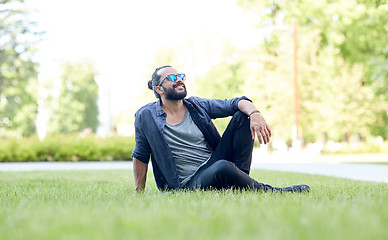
[(66, 148)]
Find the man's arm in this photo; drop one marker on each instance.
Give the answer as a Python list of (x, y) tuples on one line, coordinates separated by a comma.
[(258, 123), (140, 172)]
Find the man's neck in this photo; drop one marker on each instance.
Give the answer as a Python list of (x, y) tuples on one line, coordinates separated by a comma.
[(172, 106)]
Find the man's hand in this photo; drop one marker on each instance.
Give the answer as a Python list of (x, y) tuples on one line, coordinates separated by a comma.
[(260, 127)]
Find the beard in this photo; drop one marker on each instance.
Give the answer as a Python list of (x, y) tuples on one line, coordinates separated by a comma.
[(173, 95)]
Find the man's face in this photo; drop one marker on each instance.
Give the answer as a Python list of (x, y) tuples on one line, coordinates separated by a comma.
[(172, 90)]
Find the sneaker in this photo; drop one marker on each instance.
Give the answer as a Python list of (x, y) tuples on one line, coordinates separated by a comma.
[(296, 188)]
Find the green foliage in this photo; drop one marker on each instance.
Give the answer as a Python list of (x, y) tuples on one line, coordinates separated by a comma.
[(76, 108), (18, 74), (103, 205), (222, 81), (66, 148), (342, 59), (358, 30), (333, 100)]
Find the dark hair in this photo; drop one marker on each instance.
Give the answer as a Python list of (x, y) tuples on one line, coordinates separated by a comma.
[(155, 80)]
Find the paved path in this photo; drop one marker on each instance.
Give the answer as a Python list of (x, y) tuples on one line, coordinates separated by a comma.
[(356, 171), (366, 172), (352, 166)]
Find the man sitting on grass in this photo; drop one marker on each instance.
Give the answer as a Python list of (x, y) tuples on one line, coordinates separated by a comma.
[(186, 149)]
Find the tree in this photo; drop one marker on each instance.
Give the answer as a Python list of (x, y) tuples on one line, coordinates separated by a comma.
[(18, 71), (343, 60), (359, 31), (76, 108)]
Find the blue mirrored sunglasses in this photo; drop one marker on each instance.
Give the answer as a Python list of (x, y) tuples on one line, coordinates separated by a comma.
[(173, 77)]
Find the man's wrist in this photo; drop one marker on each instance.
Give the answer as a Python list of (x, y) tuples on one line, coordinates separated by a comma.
[(253, 112)]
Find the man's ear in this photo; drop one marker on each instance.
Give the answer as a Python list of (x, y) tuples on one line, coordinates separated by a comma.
[(159, 90)]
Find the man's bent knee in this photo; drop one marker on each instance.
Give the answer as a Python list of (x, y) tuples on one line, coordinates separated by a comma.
[(241, 118), (240, 115), (223, 166)]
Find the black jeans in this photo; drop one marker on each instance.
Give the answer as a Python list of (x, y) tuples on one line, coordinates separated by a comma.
[(230, 163)]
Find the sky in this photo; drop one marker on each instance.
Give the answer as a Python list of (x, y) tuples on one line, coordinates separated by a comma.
[(121, 36)]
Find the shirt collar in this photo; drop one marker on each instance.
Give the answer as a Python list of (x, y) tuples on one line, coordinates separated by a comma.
[(187, 103), (158, 108)]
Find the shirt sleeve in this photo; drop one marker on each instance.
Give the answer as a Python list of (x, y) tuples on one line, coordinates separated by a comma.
[(219, 108), (142, 149)]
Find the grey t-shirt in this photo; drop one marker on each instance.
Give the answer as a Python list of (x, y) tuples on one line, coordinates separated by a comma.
[(188, 146)]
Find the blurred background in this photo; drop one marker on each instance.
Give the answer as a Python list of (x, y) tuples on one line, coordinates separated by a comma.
[(317, 69)]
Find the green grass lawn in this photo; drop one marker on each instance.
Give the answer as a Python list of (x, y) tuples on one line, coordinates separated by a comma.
[(102, 205)]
